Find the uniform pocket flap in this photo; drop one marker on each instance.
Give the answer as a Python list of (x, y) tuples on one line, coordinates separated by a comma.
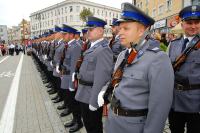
[(134, 74)]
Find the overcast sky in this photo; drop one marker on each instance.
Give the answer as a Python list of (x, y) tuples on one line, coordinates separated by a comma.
[(12, 11)]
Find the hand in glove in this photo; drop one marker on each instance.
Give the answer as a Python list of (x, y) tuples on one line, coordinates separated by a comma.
[(51, 63), (73, 76), (57, 69), (100, 100), (45, 57), (70, 89), (92, 108)]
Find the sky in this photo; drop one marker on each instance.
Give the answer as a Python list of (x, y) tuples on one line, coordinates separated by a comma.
[(12, 11)]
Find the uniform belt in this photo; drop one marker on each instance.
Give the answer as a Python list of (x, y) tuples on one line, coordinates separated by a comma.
[(129, 113), (86, 83), (187, 87)]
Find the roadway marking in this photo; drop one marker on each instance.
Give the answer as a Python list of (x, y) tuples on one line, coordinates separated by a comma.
[(4, 59), (7, 74), (8, 115)]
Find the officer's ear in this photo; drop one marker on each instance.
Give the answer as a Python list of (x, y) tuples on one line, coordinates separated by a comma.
[(141, 29), (100, 30)]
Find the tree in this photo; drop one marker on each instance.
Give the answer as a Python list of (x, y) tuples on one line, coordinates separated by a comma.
[(84, 14)]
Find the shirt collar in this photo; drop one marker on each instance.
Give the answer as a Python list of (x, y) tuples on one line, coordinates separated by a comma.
[(189, 38), (97, 41), (117, 36), (71, 41)]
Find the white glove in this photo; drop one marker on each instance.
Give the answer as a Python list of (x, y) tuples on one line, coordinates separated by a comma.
[(70, 89), (73, 76), (51, 63), (100, 100), (92, 108), (45, 57), (57, 69)]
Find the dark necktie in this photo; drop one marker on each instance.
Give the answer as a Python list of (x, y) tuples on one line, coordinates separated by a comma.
[(184, 44)]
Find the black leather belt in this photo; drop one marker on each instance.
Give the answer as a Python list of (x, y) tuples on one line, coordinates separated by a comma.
[(129, 113), (187, 87), (86, 83)]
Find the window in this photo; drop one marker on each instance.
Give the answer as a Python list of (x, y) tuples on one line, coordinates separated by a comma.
[(98, 11), (147, 2), (140, 4), (195, 2), (62, 20), (58, 12), (65, 9), (154, 13), (51, 13), (169, 5), (66, 19), (147, 11), (110, 14), (71, 18), (77, 19), (77, 8), (51, 22), (70, 9), (110, 22), (106, 14), (161, 9), (93, 10), (61, 10), (102, 13)]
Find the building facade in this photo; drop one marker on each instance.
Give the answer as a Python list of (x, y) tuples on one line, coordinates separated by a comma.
[(19, 34), (3, 34), (165, 12), (68, 12)]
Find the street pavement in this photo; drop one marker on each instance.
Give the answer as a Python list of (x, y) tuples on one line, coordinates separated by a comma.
[(33, 112)]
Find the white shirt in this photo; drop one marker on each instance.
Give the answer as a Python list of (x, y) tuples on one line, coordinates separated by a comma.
[(97, 41), (71, 41), (116, 36), (189, 38)]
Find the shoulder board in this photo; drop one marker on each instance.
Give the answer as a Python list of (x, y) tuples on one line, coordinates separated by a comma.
[(176, 39), (104, 43), (154, 49)]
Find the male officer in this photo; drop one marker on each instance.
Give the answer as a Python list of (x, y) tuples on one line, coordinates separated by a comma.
[(141, 101), (71, 55), (186, 103), (95, 71), (59, 46), (115, 41), (77, 37)]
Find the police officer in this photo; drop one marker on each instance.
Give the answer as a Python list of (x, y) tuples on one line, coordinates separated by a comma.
[(59, 46), (115, 41), (141, 101), (71, 55), (94, 72), (78, 38), (186, 103)]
